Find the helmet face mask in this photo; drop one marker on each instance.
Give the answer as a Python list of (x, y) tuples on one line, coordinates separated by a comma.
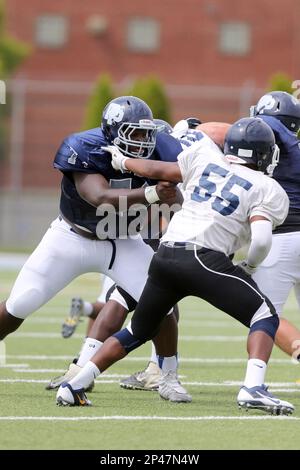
[(136, 140), (250, 141), (274, 162), (281, 105), (127, 122)]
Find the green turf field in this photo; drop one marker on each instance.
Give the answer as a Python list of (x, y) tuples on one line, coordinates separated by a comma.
[(213, 358)]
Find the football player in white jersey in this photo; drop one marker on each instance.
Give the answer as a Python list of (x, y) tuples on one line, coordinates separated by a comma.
[(228, 201)]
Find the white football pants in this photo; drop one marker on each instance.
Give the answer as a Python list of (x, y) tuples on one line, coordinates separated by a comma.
[(280, 270), (62, 255)]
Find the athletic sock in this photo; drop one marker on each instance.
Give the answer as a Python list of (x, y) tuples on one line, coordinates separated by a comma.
[(90, 347), (85, 376), (167, 364), (255, 374)]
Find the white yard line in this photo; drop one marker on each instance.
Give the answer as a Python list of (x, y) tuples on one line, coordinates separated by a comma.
[(197, 360), (40, 334), (147, 418), (113, 378), (59, 371), (11, 366), (201, 323), (45, 381)]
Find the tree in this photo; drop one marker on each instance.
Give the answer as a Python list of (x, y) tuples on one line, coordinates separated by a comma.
[(101, 95), (151, 90), (280, 82), (12, 53)]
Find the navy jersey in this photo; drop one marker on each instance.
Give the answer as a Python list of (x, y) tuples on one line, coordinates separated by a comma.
[(82, 152), (287, 172)]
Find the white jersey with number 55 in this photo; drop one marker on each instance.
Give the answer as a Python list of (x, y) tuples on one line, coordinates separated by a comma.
[(220, 198)]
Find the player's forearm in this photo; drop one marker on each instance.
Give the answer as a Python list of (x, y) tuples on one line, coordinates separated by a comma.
[(154, 170), (115, 197)]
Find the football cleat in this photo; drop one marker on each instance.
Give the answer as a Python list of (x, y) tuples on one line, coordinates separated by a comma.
[(66, 396), (73, 370), (76, 312), (171, 389), (260, 399), (147, 379)]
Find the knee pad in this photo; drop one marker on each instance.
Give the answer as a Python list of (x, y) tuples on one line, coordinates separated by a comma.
[(267, 325), (128, 340), (25, 303)]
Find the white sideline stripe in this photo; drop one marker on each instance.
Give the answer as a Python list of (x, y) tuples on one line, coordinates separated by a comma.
[(147, 418), (40, 334), (198, 360)]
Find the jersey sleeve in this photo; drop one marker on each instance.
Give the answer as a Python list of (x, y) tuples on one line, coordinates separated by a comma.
[(184, 160), (188, 159), (75, 155), (167, 148), (272, 202)]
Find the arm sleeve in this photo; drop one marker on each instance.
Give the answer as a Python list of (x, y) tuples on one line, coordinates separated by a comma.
[(261, 241)]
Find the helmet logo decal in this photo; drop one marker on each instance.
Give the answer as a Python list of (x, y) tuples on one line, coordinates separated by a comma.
[(114, 113), (247, 153), (266, 102)]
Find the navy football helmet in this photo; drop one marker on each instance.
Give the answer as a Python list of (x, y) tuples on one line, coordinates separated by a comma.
[(163, 126), (250, 141), (127, 122), (280, 105)]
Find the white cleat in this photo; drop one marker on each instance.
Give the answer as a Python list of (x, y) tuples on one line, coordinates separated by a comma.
[(171, 389), (148, 379), (260, 399), (67, 396)]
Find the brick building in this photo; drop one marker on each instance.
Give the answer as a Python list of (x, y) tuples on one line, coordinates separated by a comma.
[(215, 57)]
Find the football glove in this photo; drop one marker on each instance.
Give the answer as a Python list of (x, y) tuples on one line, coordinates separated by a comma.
[(118, 159)]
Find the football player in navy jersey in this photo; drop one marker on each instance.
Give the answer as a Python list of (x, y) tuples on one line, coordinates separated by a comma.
[(79, 307), (95, 232), (280, 271), (114, 312)]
